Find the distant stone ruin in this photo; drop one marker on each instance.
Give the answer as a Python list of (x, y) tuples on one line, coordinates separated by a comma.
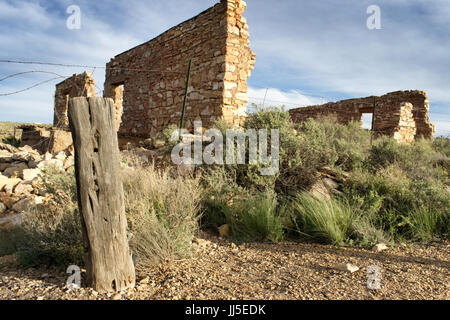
[(402, 114), (58, 137)]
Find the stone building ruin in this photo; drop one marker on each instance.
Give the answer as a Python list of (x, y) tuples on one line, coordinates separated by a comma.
[(402, 114), (79, 85), (147, 82)]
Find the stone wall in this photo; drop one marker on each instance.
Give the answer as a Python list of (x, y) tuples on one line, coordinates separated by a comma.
[(45, 138), (147, 82), (79, 85), (392, 114)]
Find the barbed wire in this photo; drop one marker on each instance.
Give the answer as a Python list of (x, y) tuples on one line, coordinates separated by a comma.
[(31, 71), (29, 88), (89, 67)]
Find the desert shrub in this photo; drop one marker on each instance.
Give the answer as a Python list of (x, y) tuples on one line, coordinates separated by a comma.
[(12, 141), (366, 233), (442, 145), (51, 233), (54, 180), (317, 144), (51, 238), (424, 224), (166, 135), (418, 159), (9, 241), (163, 214), (386, 198), (256, 219), (323, 221), (221, 191), (222, 125)]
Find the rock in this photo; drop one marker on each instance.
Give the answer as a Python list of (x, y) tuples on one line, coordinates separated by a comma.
[(23, 156), (26, 204), (2, 208), (32, 164), (69, 162), (320, 191), (117, 296), (224, 231), (9, 201), (380, 247), (158, 144), (10, 222), (15, 171), (4, 166), (347, 267), (30, 174), (12, 182), (48, 156), (60, 156), (201, 242), (8, 147), (52, 162), (147, 143), (23, 188), (5, 157), (330, 184)]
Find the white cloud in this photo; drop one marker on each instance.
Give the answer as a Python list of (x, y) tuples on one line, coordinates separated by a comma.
[(28, 14), (276, 97)]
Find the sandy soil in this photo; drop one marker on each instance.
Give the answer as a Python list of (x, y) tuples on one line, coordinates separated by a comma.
[(293, 271)]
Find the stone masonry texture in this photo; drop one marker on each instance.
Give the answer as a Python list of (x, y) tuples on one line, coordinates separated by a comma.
[(79, 85), (402, 114), (148, 82)]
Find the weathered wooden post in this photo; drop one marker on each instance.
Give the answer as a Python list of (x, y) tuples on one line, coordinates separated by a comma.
[(109, 266)]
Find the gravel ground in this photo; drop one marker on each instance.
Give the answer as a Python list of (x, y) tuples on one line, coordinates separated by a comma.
[(220, 270)]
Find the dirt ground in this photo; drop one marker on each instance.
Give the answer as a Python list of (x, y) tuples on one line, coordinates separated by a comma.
[(220, 270)]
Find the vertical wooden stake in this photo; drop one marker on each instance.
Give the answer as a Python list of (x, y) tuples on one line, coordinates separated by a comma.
[(185, 94), (373, 120), (109, 265)]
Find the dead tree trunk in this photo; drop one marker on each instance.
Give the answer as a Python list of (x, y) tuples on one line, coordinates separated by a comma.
[(109, 265)]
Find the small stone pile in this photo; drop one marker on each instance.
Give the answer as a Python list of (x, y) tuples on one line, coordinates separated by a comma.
[(20, 170)]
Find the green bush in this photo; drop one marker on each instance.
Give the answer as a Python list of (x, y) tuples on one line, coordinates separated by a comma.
[(442, 145), (424, 224), (220, 192), (256, 219), (388, 196), (51, 233), (323, 221)]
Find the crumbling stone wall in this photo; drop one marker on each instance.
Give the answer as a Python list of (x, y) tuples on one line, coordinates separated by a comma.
[(45, 138), (79, 85), (392, 114), (147, 82)]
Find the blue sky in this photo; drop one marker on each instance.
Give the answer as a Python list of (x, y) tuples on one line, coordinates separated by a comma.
[(307, 51)]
